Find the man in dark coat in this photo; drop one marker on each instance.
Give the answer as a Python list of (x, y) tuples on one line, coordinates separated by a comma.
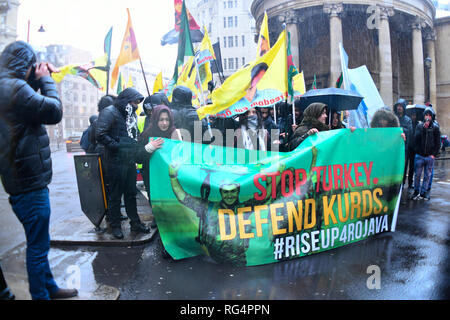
[(184, 113), (406, 124), (117, 131), (427, 143), (27, 168)]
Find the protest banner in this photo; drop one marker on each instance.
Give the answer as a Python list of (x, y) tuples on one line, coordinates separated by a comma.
[(247, 207)]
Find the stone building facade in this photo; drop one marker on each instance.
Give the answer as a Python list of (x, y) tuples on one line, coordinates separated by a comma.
[(8, 22), (230, 23), (400, 42)]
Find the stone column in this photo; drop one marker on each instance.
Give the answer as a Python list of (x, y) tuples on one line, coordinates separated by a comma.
[(384, 47), (430, 38), (418, 64), (335, 10), (292, 21)]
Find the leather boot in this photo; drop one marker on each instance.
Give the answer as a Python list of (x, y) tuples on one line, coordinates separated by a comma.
[(64, 294)]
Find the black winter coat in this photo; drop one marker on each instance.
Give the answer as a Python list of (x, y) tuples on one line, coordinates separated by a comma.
[(111, 127), (427, 141), (27, 162)]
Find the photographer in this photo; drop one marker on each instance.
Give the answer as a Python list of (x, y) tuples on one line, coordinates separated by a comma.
[(27, 168), (427, 143)]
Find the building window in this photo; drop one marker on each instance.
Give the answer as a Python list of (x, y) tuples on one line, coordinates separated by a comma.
[(230, 4), (243, 61), (236, 60), (230, 63), (2, 19), (224, 5), (243, 40), (209, 27), (75, 97), (236, 42), (230, 42), (224, 42), (83, 98), (230, 22), (224, 22), (235, 21), (235, 4), (224, 64)]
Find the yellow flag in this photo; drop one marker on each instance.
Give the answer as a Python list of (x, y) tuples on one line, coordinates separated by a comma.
[(128, 52), (130, 82), (205, 51), (262, 83), (158, 85), (263, 41), (298, 85)]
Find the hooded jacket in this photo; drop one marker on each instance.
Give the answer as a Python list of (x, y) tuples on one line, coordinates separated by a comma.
[(28, 165), (184, 113), (112, 129), (405, 121), (427, 141), (310, 121)]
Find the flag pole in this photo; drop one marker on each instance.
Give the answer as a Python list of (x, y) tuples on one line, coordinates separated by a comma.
[(143, 73), (288, 42), (202, 96)]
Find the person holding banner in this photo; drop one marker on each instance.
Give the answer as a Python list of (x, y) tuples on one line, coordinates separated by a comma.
[(161, 125), (251, 135), (314, 120)]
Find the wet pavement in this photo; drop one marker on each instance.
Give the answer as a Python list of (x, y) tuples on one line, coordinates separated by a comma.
[(413, 261)]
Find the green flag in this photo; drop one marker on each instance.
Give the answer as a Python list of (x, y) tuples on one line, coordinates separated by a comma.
[(292, 70), (314, 85), (120, 84), (339, 81), (185, 47)]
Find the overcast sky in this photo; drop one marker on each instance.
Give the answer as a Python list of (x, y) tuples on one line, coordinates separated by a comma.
[(85, 23)]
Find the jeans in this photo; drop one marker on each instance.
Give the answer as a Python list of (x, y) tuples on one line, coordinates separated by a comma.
[(424, 164), (33, 211)]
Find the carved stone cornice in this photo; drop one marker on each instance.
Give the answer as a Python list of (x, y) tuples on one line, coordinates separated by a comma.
[(334, 9), (418, 23), (386, 11), (291, 17)]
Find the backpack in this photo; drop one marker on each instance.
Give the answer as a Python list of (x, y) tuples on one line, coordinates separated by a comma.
[(84, 141)]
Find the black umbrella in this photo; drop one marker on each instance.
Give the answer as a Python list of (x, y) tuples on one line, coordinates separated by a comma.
[(418, 109), (336, 99)]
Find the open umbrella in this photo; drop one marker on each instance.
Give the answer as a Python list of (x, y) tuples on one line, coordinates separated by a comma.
[(418, 109), (336, 99)]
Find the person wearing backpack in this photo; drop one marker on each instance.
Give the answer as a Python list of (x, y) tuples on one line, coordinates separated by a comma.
[(86, 143)]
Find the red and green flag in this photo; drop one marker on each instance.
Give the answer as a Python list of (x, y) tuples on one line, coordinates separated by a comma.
[(339, 81), (185, 49), (314, 85)]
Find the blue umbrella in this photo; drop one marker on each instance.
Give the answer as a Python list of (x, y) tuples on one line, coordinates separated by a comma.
[(336, 99)]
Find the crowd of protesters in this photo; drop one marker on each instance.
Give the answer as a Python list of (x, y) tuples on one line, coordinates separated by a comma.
[(124, 140)]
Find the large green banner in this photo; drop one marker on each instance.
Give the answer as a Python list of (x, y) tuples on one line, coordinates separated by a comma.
[(248, 207)]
